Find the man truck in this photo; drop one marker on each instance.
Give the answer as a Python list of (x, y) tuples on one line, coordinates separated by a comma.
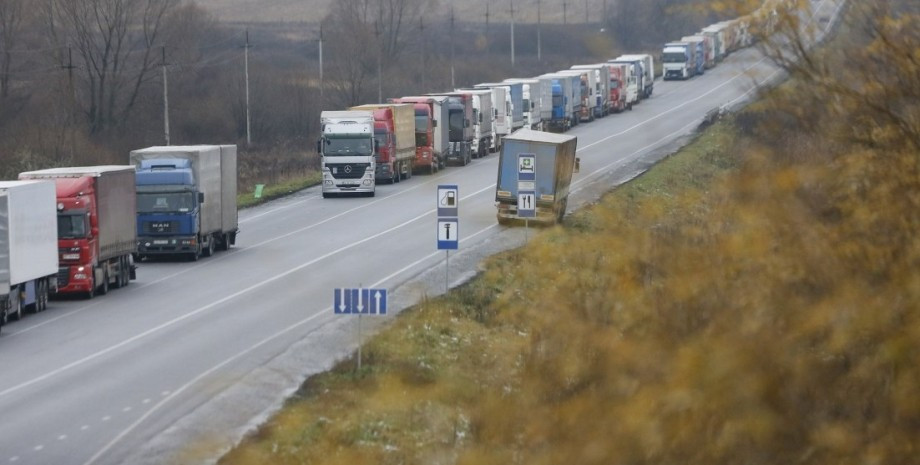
[(555, 164), (186, 200), (394, 129), (97, 235), (28, 247)]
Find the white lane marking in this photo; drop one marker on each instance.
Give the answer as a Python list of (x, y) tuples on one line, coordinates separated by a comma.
[(14, 458), (126, 409), (145, 401), (282, 207), (62, 437), (226, 362), (38, 448), (165, 393), (106, 418), (214, 304), (84, 427)]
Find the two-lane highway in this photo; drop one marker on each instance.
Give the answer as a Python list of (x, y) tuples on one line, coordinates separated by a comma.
[(178, 365)]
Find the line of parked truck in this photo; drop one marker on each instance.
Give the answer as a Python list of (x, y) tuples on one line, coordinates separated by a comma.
[(81, 230)]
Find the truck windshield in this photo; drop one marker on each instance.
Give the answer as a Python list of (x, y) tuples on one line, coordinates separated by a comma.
[(456, 125), (72, 226), (345, 146), (166, 202), (614, 83), (674, 57)]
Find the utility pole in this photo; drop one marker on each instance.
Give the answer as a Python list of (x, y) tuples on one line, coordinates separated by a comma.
[(488, 42), (73, 100), (322, 87), (564, 5), (165, 98), (453, 84), (246, 66), (421, 34), (539, 44), (586, 11), (605, 14), (379, 64), (512, 33)]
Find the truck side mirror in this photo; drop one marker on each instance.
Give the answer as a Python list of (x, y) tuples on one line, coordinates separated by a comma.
[(466, 123), (376, 145), (577, 165), (434, 123), (201, 197), (319, 146)]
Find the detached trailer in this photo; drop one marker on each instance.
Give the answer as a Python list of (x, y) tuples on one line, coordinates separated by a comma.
[(555, 164), (28, 247)]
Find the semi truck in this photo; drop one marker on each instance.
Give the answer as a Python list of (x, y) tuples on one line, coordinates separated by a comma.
[(620, 98), (483, 117), (348, 153), (717, 34), (503, 125), (565, 107), (600, 84), (647, 68), (678, 61), (431, 132), (394, 129), (28, 247), (516, 93), (555, 164), (709, 60), (636, 75), (584, 84), (96, 226), (186, 200), (537, 101), (460, 128)]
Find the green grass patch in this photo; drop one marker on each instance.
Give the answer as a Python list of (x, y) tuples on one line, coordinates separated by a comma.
[(278, 190)]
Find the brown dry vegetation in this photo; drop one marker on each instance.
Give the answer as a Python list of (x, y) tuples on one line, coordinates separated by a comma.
[(753, 300)]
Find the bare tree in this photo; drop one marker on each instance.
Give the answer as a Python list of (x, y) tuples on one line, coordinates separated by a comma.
[(116, 43), (11, 17)]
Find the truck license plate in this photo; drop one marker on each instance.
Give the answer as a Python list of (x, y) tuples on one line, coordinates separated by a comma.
[(160, 242)]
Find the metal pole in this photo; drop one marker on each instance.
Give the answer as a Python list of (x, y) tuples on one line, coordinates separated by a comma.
[(564, 18), (73, 102), (421, 34), (488, 43), (246, 65), (586, 11), (165, 98), (512, 33), (360, 342), (447, 273), (322, 87)]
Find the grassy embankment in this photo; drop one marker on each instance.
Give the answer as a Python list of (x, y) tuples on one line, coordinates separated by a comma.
[(422, 376), (753, 299), (278, 190)]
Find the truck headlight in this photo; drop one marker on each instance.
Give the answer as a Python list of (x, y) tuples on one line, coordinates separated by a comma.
[(328, 182), (367, 182)]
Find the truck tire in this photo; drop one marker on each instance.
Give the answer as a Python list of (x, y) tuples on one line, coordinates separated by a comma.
[(104, 288), (92, 287), (15, 312), (209, 251)]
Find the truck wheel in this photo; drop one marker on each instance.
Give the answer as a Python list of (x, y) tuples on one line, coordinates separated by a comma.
[(104, 288), (16, 306), (41, 300), (210, 250), (92, 287)]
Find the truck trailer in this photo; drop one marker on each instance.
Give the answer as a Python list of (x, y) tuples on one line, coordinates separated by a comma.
[(601, 87), (460, 126), (483, 119), (28, 247), (186, 200), (555, 164), (97, 232)]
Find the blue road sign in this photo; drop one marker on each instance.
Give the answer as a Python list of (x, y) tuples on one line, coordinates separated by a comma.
[(448, 233), (448, 200), (527, 167), (527, 204), (360, 301)]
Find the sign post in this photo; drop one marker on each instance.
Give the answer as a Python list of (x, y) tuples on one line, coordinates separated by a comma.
[(527, 189), (359, 302), (448, 203)]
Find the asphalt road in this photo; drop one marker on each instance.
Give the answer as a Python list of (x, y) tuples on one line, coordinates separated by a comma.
[(179, 365)]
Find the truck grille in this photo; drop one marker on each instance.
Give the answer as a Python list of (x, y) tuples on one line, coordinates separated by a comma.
[(159, 227), (63, 276), (347, 170)]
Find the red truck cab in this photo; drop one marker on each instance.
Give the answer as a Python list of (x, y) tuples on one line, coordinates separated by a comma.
[(78, 226), (617, 88), (424, 138)]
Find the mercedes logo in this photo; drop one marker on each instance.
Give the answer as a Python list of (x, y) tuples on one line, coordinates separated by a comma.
[(348, 168)]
